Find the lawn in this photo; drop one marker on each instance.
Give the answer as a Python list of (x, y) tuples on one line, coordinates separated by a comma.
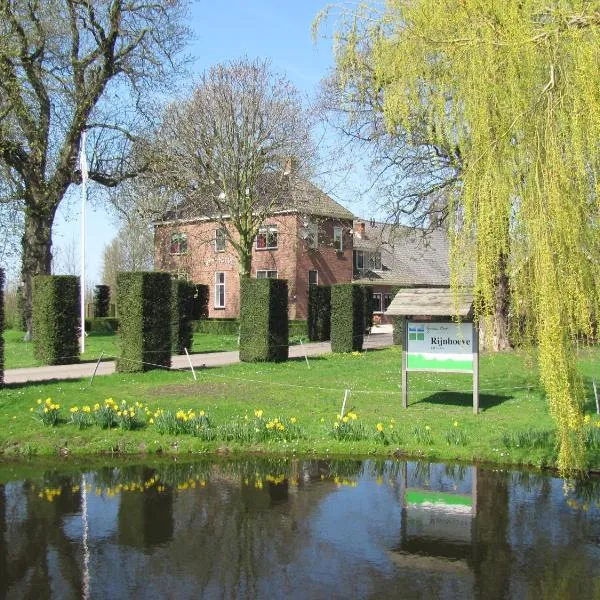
[(20, 354), (514, 426)]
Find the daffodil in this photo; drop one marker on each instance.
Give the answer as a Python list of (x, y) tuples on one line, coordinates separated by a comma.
[(258, 413), (293, 420), (455, 423), (379, 427)]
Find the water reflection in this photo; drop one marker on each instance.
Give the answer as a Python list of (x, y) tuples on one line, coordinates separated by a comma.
[(260, 528)]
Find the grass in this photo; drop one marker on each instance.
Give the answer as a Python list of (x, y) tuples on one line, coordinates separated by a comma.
[(20, 354), (514, 426)]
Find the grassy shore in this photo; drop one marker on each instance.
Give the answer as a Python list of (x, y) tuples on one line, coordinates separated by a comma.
[(19, 354), (242, 402)]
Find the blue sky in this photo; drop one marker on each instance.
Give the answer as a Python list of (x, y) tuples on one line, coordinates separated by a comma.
[(222, 31)]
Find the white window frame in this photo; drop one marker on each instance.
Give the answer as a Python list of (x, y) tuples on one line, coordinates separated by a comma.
[(220, 239), (338, 238), (312, 239), (267, 231), (375, 261), (317, 277), (177, 238), (220, 288), (380, 296), (264, 274)]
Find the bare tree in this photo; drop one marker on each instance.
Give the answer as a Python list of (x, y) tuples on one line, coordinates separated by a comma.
[(234, 151), (67, 66)]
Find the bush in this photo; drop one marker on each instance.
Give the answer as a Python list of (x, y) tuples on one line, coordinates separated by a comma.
[(297, 329), (1, 327), (264, 326), (199, 308), (397, 335), (183, 298), (144, 301), (101, 301), (368, 299), (319, 313), (217, 326), (56, 319), (347, 317), (102, 325)]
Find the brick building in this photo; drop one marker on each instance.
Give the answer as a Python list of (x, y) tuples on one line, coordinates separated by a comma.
[(313, 240)]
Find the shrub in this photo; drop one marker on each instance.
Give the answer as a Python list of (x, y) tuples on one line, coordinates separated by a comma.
[(199, 308), (183, 297), (319, 313), (347, 317), (217, 326), (297, 329), (264, 326), (1, 327), (368, 306), (56, 319), (101, 301), (398, 333), (144, 301), (102, 325)]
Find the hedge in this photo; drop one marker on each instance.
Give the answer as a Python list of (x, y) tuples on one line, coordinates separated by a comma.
[(368, 299), (101, 301), (217, 326), (144, 301), (347, 317), (183, 298), (102, 325), (1, 327), (56, 319), (264, 327), (200, 303), (319, 313)]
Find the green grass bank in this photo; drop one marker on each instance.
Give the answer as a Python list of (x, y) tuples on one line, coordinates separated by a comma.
[(289, 408)]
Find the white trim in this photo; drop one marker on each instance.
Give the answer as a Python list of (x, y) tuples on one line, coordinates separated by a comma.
[(266, 229), (217, 231), (338, 229), (266, 271), (218, 285)]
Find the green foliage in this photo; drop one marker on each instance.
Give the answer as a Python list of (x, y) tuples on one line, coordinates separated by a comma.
[(56, 319), (264, 324), (217, 326), (422, 434), (183, 299), (144, 301), (319, 313), (1, 327), (47, 412), (102, 325), (456, 437), (368, 306), (347, 317), (297, 330), (101, 301), (529, 438), (398, 334), (348, 428), (199, 305)]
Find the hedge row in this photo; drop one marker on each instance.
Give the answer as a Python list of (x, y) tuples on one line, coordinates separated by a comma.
[(296, 328), (144, 301), (186, 305), (347, 317), (101, 301), (1, 327), (102, 325), (319, 313), (368, 306), (264, 327)]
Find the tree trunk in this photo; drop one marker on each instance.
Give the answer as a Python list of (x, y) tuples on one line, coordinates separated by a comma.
[(500, 339), (37, 255)]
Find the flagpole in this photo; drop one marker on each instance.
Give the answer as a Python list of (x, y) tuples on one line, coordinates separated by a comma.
[(84, 176)]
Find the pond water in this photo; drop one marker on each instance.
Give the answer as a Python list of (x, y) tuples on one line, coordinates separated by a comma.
[(295, 529)]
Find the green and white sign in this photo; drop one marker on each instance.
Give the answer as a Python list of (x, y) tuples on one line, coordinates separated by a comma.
[(440, 347)]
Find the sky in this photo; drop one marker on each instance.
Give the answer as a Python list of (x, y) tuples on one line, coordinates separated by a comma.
[(222, 31)]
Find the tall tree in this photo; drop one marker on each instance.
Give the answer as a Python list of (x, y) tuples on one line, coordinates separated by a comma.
[(233, 151), (514, 86), (67, 66)]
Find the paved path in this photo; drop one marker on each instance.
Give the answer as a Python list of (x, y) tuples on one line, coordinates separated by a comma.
[(381, 337)]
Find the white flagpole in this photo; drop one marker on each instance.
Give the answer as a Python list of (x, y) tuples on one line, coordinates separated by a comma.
[(84, 177)]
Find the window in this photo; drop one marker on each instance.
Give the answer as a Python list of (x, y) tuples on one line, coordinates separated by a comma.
[(312, 239), (220, 239), (387, 300), (338, 238), (359, 259), (375, 261), (219, 290), (313, 278), (267, 237), (377, 303), (266, 274), (179, 243)]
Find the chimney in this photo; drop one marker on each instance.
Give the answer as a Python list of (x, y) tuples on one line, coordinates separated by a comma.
[(360, 229)]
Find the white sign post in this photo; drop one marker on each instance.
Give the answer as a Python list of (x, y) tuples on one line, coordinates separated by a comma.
[(441, 348)]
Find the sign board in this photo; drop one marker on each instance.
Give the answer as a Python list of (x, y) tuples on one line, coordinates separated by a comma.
[(442, 347)]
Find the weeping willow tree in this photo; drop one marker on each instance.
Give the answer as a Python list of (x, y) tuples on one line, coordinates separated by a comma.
[(514, 86)]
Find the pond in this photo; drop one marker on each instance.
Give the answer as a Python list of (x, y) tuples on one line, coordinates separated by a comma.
[(257, 528)]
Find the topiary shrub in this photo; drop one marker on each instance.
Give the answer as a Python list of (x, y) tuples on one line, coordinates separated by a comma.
[(368, 307), (217, 326), (183, 299), (1, 327), (200, 303), (319, 313), (144, 302), (264, 320), (347, 317), (398, 333), (101, 301), (105, 325), (56, 326)]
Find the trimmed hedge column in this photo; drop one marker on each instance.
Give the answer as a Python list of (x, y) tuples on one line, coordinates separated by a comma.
[(1, 327), (264, 320), (101, 301), (56, 319), (397, 334), (368, 295), (347, 317), (144, 303), (319, 313), (183, 298)]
